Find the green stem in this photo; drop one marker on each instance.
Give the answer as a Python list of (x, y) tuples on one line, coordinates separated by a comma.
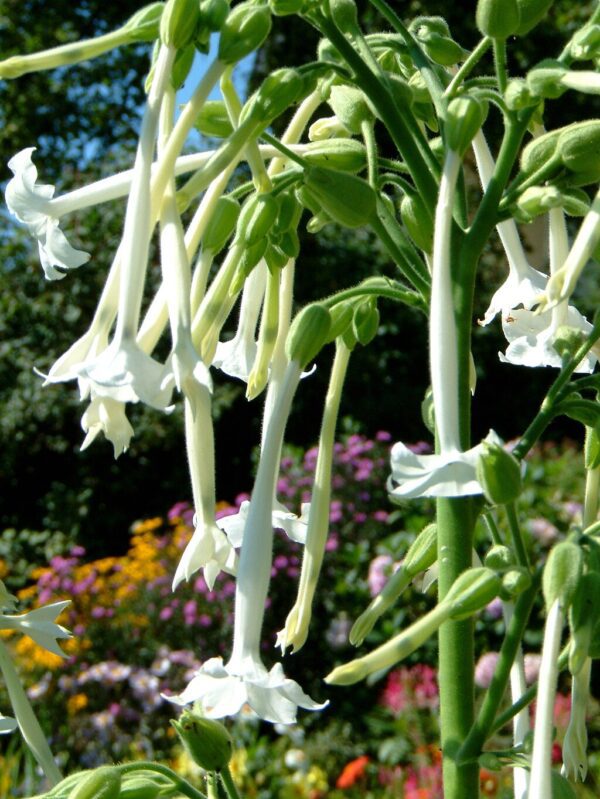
[(500, 63), (517, 538), (230, 786), (481, 729), (368, 134), (456, 650), (493, 530), (468, 66), (183, 786), (384, 288), (212, 786)]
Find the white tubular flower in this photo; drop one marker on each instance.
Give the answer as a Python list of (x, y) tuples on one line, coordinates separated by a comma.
[(452, 472), (281, 519), (29, 203), (531, 336), (524, 284), (106, 415), (236, 357), (40, 625), (222, 690), (574, 748)]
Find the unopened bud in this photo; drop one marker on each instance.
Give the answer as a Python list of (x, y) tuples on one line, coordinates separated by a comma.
[(143, 26), (281, 8), (222, 224), (422, 553), (289, 215), (350, 107), (207, 741), (585, 43), (344, 15), (514, 582), (540, 151), (182, 65), (138, 786), (327, 128), (365, 322), (499, 558), (537, 200), (275, 257), (498, 19), (308, 333), (464, 118), (344, 155), (530, 13), (213, 14), (471, 591), (276, 94), (101, 783), (545, 80), (434, 35), (562, 572), (257, 216), (578, 146), (347, 199), (575, 202), (341, 319), (517, 95), (178, 22), (244, 30), (417, 221), (213, 120)]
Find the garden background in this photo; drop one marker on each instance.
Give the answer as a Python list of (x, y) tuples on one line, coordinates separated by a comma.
[(81, 525)]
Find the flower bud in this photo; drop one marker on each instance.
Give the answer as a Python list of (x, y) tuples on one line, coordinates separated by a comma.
[(499, 474), (471, 591), (540, 151), (350, 107), (182, 65), (244, 30), (365, 321), (213, 120), (537, 200), (514, 582), (143, 26), (327, 128), (256, 218), (582, 618), (498, 19), (290, 211), (417, 221), (344, 155), (208, 742), (275, 257), (464, 117), (545, 80), (249, 258), (213, 14), (499, 558), (517, 95), (276, 94), (490, 761), (562, 572), (142, 786), (530, 13), (347, 199), (101, 783), (585, 43), (341, 320), (422, 553), (222, 224), (307, 334), (178, 22), (578, 146), (344, 15), (281, 8), (418, 88), (433, 34)]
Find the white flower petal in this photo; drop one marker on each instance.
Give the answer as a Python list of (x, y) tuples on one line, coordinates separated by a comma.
[(281, 518), (106, 415), (208, 548), (40, 625), (515, 291), (236, 357), (7, 724)]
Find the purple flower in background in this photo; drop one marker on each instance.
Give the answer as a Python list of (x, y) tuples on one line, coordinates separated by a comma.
[(545, 532)]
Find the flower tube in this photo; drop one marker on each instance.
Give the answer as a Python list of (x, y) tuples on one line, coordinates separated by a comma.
[(574, 749)]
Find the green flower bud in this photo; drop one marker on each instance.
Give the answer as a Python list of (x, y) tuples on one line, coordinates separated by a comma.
[(350, 107), (433, 34), (145, 786), (275, 257), (537, 200), (244, 30), (421, 26), (498, 19), (143, 26), (585, 44), (289, 243), (276, 94), (575, 202), (347, 199), (464, 117), (256, 218), (518, 96), (540, 151), (582, 619), (290, 211), (530, 13), (281, 8), (471, 591), (499, 558), (417, 222), (341, 319), (562, 572), (213, 120), (344, 15), (578, 146), (422, 553), (418, 88), (208, 742), (178, 22), (213, 14), (307, 334), (182, 65), (101, 783), (222, 224), (344, 155), (514, 582), (327, 128), (545, 80), (249, 258), (490, 761), (365, 321)]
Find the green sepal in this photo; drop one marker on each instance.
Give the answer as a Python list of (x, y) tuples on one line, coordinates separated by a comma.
[(585, 411), (582, 618), (585, 44), (256, 218), (182, 65), (471, 591), (278, 91), (365, 321), (341, 320), (213, 14), (282, 8), (144, 25), (275, 257), (347, 199), (290, 211), (344, 155), (422, 553), (222, 224), (464, 117), (499, 558), (417, 221), (344, 15), (289, 243), (307, 334), (530, 13), (207, 741), (514, 582), (213, 120), (178, 22), (544, 80), (592, 448), (498, 19)]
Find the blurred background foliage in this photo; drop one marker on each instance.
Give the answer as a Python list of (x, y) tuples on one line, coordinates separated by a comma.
[(83, 122)]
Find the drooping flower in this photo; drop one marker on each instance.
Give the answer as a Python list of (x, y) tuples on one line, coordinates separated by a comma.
[(40, 625), (107, 415), (574, 749), (29, 203)]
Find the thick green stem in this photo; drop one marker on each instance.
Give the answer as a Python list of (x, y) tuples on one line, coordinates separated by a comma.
[(515, 532), (230, 787), (456, 650), (182, 785)]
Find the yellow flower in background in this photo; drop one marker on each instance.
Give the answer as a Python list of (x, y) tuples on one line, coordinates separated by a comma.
[(76, 703), (3, 569), (238, 766)]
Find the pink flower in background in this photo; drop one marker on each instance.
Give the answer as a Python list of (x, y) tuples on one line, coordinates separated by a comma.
[(414, 687), (485, 668), (532, 667), (380, 569), (545, 532)]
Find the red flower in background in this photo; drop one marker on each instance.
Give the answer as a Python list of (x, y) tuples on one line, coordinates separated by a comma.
[(352, 772)]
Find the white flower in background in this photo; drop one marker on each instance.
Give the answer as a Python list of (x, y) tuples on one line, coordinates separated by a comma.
[(40, 625), (108, 416), (531, 338), (29, 203)]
